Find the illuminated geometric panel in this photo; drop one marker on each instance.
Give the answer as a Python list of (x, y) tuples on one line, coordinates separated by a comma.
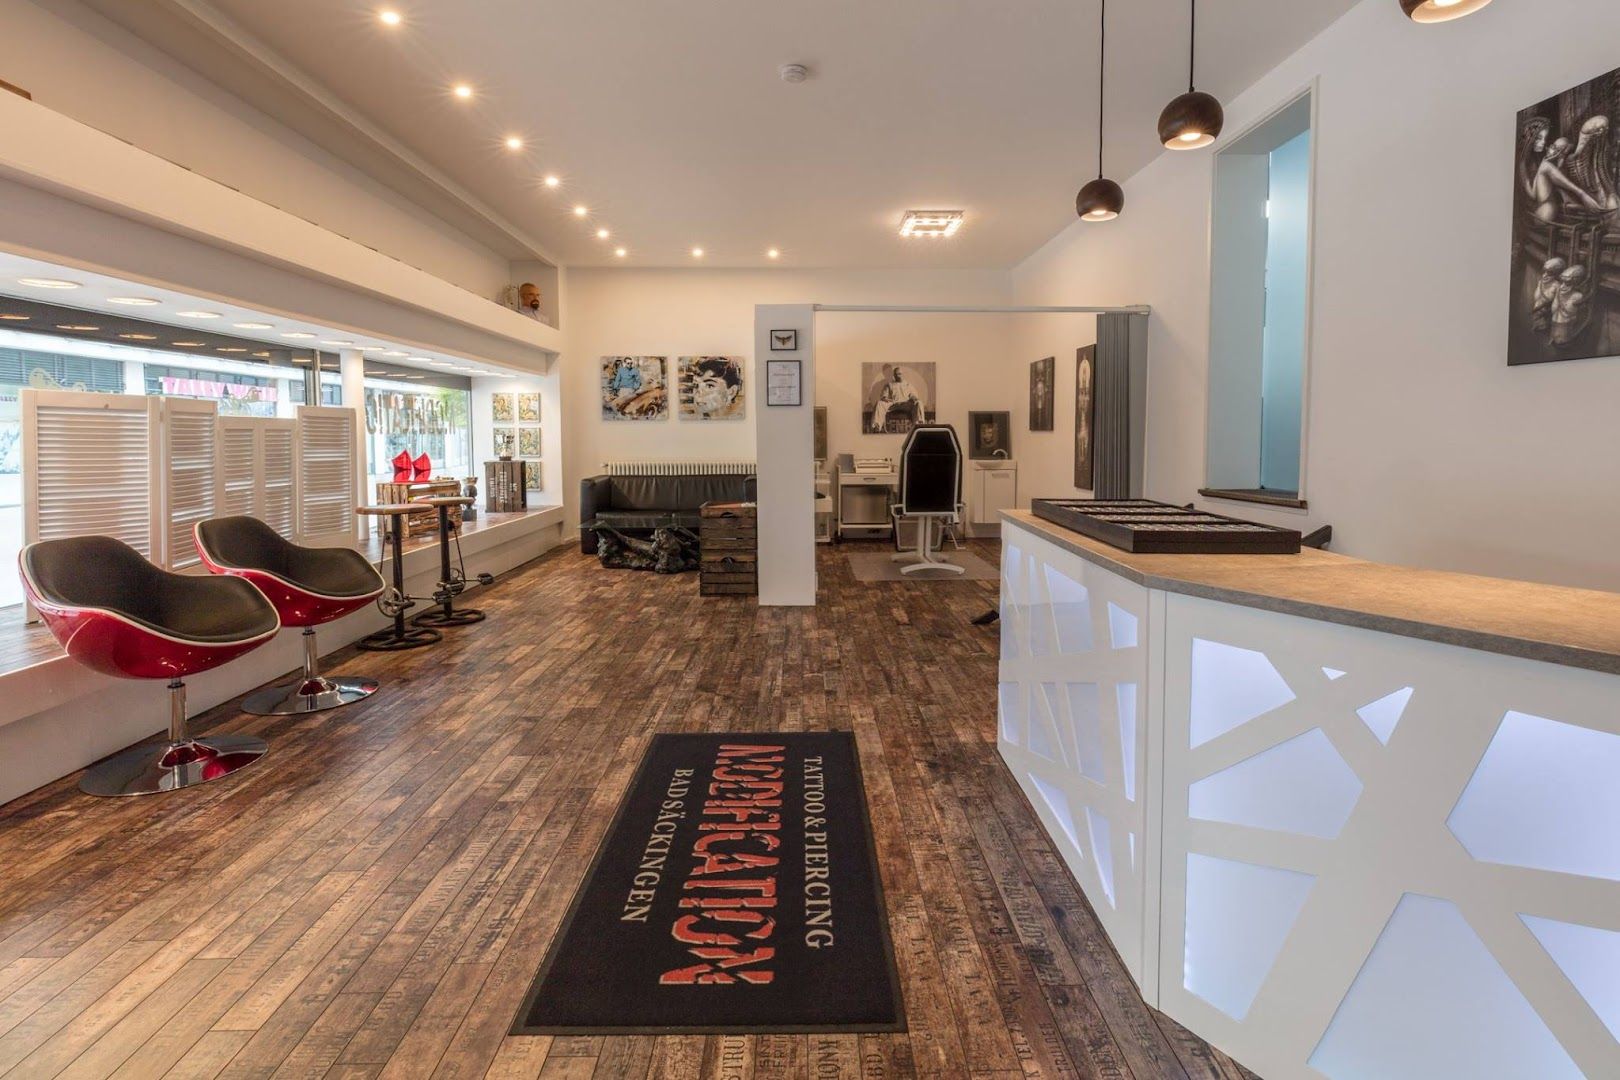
[(1043, 736), (1238, 916), (1071, 612), (1121, 627), (1058, 803), (1230, 687), (1102, 850), (1431, 1001), (1382, 715), (1085, 705), (1125, 692), (1546, 796), (1012, 712), (1589, 958), (1333, 674), (1300, 786)]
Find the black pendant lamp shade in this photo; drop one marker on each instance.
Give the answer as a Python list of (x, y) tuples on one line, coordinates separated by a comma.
[(1433, 11), (1102, 199), (1194, 119)]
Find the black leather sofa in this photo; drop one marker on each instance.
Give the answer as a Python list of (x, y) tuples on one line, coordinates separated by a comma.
[(636, 505)]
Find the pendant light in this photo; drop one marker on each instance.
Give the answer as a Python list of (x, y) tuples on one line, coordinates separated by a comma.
[(1194, 119), (1102, 199), (1433, 11)]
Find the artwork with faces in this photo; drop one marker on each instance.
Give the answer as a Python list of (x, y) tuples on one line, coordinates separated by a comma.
[(1042, 393), (897, 397), (635, 388), (711, 388)]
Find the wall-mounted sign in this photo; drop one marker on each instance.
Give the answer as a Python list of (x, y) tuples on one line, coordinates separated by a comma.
[(783, 382)]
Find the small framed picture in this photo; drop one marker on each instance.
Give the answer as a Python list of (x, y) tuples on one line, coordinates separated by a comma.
[(782, 382), (505, 442), (990, 435), (784, 341)]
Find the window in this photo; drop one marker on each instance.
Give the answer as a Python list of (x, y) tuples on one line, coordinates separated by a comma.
[(417, 420), (1259, 310)]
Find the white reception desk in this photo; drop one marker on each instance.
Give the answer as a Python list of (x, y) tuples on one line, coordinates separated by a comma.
[(1341, 819)]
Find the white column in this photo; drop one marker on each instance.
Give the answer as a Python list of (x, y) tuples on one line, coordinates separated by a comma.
[(352, 369), (785, 438)]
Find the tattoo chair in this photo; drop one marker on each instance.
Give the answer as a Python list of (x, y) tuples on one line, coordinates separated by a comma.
[(117, 613), (308, 586), (930, 493)]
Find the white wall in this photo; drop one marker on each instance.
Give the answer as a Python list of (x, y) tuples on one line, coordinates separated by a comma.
[(1423, 447), (80, 64)]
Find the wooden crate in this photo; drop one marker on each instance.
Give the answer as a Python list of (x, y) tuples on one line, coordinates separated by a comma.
[(506, 487), (421, 524), (728, 543)]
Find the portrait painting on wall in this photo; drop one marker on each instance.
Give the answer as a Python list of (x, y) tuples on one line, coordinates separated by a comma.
[(1042, 393), (528, 408), (500, 408), (1085, 417), (711, 388), (897, 397), (1566, 227), (635, 387), (989, 435)]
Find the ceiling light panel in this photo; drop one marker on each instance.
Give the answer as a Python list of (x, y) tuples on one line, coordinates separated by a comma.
[(931, 223)]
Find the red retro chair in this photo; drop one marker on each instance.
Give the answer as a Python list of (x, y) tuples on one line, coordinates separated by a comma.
[(308, 586), (117, 613)]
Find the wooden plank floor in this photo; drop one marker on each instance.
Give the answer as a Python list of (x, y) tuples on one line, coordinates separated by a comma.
[(373, 899)]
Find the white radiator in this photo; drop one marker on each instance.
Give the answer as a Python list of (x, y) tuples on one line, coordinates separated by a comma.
[(679, 468)]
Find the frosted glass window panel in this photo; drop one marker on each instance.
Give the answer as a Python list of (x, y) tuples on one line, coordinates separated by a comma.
[(1431, 1001), (1012, 712), (1125, 694), (1130, 840), (1085, 706), (1382, 715), (1546, 795), (1043, 736), (1333, 674), (1230, 687), (1071, 612), (1238, 916), (1058, 804), (1102, 850), (1121, 627), (1300, 786), (1589, 958)]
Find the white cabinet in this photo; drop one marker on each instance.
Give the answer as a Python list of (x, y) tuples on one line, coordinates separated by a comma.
[(993, 488)]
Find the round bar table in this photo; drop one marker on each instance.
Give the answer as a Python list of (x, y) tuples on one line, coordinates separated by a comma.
[(446, 614), (399, 636)]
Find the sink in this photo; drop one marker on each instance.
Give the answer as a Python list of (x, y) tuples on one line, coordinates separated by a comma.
[(994, 463)]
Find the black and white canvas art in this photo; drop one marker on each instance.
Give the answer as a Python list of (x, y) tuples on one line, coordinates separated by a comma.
[(990, 435), (1085, 417), (897, 397), (1566, 227), (635, 388), (711, 388), (1042, 393)]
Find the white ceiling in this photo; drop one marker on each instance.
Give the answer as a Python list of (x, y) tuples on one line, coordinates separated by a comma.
[(670, 122)]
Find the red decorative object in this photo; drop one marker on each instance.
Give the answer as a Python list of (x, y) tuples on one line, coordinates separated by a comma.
[(424, 468), (402, 468)]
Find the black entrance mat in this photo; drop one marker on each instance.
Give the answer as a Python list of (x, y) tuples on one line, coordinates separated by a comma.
[(736, 890)]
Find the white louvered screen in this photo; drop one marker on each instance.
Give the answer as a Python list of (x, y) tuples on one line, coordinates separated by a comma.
[(88, 467), (326, 476), (256, 470), (191, 489)]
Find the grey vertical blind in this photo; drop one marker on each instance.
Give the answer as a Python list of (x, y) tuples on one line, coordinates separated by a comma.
[(1113, 437)]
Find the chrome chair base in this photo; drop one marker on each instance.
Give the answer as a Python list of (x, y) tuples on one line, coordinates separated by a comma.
[(308, 696), (148, 769)]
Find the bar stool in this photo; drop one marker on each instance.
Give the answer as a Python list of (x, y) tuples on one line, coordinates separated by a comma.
[(308, 586), (395, 602), (451, 582), (117, 613)]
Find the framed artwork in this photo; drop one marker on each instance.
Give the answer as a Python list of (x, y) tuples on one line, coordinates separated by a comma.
[(531, 474), (784, 341), (1085, 417), (1042, 393), (505, 442), (784, 382), (711, 388), (990, 434), (635, 387), (501, 408), (1565, 301), (528, 408), (821, 432), (897, 397), (528, 442)]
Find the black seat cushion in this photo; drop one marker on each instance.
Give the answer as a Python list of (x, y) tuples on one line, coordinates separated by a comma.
[(100, 573), (246, 543), (930, 470)]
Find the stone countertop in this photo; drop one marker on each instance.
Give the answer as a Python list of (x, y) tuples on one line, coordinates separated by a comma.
[(1557, 625)]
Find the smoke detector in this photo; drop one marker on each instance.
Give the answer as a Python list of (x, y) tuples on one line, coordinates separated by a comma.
[(794, 73)]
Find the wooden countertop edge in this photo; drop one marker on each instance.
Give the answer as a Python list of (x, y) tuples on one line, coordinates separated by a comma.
[(1562, 653)]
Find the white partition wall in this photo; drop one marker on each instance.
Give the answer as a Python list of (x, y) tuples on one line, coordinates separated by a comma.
[(326, 476), (785, 449), (190, 476), (87, 467), (256, 474)]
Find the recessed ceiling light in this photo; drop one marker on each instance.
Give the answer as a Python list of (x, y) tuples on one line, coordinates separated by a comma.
[(77, 326), (188, 344), (602, 234), (396, 352), (552, 181), (133, 301), (369, 348), (620, 252), (16, 318), (581, 211), (390, 17), (253, 326), (338, 344), (300, 359), (697, 253), (435, 363), (232, 349), (47, 283), (462, 91), (299, 335), (262, 355), (138, 337), (416, 376), (514, 142), (931, 223), (198, 314), (773, 254)]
